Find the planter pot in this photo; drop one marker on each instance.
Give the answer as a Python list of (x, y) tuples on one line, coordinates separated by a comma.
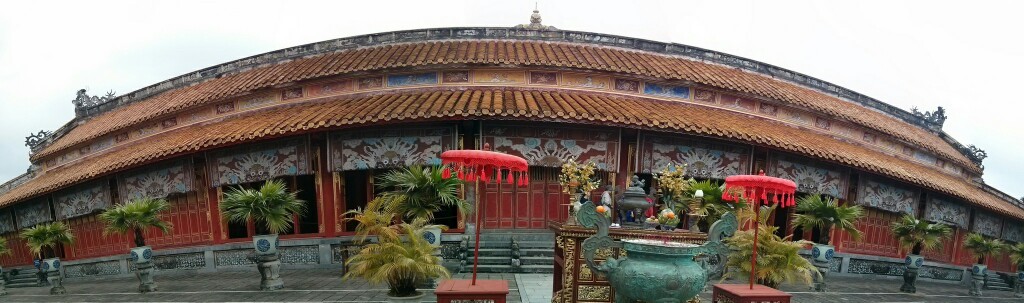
[(412, 299), (50, 265), (433, 236), (1020, 276), (979, 270), (823, 253), (266, 244), (914, 261), (142, 254)]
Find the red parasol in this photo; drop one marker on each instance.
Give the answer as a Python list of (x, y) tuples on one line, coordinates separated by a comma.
[(482, 165), (759, 189)]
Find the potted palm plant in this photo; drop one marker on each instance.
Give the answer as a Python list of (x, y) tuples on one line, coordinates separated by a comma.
[(917, 235), (1017, 257), (136, 216), (272, 208), (43, 240), (824, 213), (419, 192), (4, 250), (980, 247), (779, 259), (399, 258)]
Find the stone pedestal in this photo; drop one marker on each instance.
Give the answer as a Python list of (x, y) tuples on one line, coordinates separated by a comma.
[(57, 287), (909, 280), (977, 282), (270, 272), (819, 280), (144, 271), (3, 285)]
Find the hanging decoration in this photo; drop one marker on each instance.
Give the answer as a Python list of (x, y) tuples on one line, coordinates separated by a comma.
[(757, 190)]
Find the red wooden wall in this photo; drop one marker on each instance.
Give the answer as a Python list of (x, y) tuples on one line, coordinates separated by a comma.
[(877, 238), (20, 255)]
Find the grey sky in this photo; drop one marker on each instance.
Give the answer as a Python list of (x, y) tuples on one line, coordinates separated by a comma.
[(965, 56)]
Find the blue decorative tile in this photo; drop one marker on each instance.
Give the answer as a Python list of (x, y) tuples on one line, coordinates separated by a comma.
[(412, 79), (670, 91)]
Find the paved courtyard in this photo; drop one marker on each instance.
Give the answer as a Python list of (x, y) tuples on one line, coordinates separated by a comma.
[(325, 285)]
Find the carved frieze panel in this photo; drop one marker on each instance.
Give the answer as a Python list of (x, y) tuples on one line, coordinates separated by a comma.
[(987, 224), (158, 181), (372, 149), (260, 162), (943, 211), (886, 196), (810, 176), (82, 200), (550, 147), (7, 222), (1013, 232), (665, 90), (32, 213), (412, 79), (703, 158)]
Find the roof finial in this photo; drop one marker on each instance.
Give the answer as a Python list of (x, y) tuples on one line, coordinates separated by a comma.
[(535, 21)]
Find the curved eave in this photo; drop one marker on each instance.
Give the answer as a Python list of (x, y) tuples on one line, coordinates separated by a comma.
[(585, 56), (500, 103)]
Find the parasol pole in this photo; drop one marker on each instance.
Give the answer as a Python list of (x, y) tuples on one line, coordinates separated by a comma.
[(757, 220), (476, 248)]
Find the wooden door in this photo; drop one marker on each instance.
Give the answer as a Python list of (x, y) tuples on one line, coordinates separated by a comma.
[(511, 207)]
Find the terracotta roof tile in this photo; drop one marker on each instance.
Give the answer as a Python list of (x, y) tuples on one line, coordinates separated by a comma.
[(495, 52)]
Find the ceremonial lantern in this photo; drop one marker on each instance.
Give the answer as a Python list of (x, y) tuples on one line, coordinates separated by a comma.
[(484, 165), (759, 189)]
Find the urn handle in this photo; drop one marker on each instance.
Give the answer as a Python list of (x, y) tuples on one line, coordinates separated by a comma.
[(588, 216)]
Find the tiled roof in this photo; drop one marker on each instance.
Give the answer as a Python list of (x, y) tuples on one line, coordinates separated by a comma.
[(522, 53), (498, 103)]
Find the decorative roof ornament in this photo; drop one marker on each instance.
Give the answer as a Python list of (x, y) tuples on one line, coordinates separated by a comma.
[(974, 153), (34, 140), (83, 100), (937, 117), (535, 22)]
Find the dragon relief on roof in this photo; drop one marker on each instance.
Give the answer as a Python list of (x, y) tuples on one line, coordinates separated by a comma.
[(938, 117), (35, 139), (974, 153), (83, 100)]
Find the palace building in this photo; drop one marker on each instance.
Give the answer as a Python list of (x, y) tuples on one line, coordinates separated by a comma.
[(328, 117)]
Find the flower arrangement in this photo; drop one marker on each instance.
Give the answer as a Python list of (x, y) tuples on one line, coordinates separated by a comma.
[(577, 178), (672, 183), (668, 217)]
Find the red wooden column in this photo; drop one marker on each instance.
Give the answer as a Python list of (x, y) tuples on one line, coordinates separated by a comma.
[(326, 194), (218, 232)]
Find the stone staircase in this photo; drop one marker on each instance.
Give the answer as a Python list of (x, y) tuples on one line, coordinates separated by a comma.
[(993, 281), (26, 277), (536, 252)]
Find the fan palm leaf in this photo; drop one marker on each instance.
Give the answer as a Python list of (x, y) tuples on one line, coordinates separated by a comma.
[(400, 262), (374, 219), (981, 247), (778, 260), (4, 248), (271, 206), (419, 192), (919, 234), (136, 216), (815, 211), (1016, 254), (47, 236)]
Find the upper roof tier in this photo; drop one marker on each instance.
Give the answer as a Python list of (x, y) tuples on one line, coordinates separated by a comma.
[(498, 46)]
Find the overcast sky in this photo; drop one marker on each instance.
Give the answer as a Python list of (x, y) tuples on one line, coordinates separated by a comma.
[(965, 56)]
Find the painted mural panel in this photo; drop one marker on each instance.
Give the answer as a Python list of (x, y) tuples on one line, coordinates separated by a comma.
[(82, 200), (7, 222), (810, 176), (390, 148), (32, 213), (550, 147), (260, 162), (987, 224), (886, 196), (1013, 232), (412, 79), (664, 90), (703, 158), (940, 210), (157, 182)]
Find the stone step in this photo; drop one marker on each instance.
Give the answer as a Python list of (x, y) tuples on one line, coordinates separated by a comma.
[(537, 244), (537, 252), (22, 285), (492, 252), (538, 261), (22, 280), (493, 260)]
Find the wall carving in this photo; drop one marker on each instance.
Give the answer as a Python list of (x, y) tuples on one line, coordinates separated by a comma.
[(1013, 232), (550, 147), (810, 176), (158, 181), (237, 257), (260, 162), (861, 266), (309, 254), (93, 269), (7, 222), (887, 197), (703, 159), (370, 149), (32, 213), (987, 224), (82, 200), (939, 210)]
